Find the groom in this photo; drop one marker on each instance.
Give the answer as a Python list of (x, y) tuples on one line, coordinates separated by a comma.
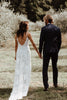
[(50, 42)]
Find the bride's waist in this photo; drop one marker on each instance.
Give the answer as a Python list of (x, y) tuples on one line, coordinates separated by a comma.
[(23, 51), (23, 48)]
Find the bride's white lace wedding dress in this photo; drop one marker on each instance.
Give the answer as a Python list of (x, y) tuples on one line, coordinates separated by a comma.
[(22, 72)]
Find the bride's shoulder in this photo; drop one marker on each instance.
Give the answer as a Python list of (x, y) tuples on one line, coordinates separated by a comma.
[(28, 34)]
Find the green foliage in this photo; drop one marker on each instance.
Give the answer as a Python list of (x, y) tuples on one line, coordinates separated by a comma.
[(36, 9), (31, 10), (58, 4)]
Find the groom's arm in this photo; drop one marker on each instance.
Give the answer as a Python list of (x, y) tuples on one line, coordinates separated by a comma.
[(59, 39), (41, 42)]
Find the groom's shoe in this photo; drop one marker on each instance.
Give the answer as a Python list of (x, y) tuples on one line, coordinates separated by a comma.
[(55, 85), (46, 89)]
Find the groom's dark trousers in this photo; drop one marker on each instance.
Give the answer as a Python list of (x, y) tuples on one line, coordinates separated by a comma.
[(50, 42)]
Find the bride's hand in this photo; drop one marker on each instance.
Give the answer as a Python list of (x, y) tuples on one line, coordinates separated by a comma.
[(40, 55), (15, 57)]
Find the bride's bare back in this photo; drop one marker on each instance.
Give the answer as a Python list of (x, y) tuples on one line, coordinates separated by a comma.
[(21, 39)]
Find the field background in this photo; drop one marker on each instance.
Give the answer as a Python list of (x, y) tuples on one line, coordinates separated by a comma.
[(7, 68), (8, 25)]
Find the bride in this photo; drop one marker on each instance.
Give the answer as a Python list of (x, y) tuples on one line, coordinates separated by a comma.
[(23, 62)]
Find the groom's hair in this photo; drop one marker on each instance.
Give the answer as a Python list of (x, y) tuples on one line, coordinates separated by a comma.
[(49, 18)]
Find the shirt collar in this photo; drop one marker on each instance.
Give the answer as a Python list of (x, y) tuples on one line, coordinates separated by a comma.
[(48, 23)]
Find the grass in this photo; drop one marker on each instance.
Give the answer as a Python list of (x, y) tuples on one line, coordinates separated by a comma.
[(7, 67), (59, 93), (39, 69), (7, 59)]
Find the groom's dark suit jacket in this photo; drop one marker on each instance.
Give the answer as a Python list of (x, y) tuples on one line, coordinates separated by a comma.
[(50, 39)]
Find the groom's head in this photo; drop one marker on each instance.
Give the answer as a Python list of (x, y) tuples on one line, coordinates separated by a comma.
[(48, 19)]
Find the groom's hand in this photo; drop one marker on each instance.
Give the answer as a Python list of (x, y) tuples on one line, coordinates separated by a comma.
[(40, 55)]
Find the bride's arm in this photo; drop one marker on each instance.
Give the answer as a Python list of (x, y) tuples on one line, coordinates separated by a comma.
[(16, 45), (30, 38)]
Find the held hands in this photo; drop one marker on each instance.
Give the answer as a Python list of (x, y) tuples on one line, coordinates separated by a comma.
[(40, 55), (15, 57)]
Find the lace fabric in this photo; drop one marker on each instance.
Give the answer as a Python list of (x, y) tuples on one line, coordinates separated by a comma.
[(22, 72)]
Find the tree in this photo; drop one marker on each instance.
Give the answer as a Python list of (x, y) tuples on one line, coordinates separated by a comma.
[(16, 2), (58, 4), (36, 9), (31, 9)]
